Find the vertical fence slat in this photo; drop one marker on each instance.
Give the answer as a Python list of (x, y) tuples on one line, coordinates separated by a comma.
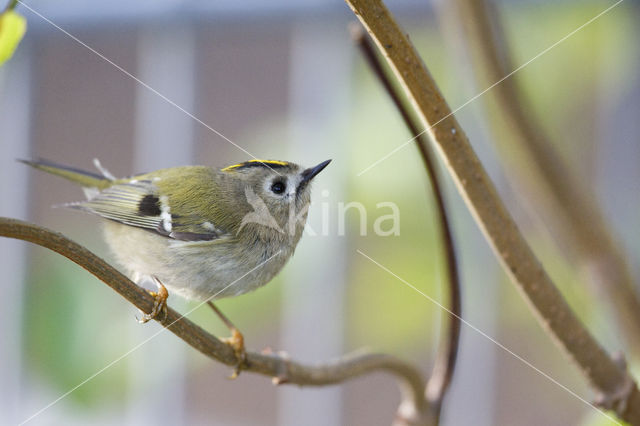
[(313, 318), (15, 99), (164, 138)]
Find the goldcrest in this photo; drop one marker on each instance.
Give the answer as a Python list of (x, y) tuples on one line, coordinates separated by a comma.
[(204, 233)]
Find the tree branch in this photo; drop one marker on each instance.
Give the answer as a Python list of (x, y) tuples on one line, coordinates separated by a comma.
[(281, 369), (444, 367), (524, 269), (571, 209)]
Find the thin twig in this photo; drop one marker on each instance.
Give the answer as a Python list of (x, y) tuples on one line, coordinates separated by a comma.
[(444, 368), (616, 386), (281, 369), (571, 208)]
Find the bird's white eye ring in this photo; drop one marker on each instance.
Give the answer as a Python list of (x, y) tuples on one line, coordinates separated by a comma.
[(278, 187)]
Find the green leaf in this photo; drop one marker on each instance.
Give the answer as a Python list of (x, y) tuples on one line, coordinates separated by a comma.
[(12, 29)]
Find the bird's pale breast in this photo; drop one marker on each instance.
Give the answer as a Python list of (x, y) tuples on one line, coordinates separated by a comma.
[(196, 270)]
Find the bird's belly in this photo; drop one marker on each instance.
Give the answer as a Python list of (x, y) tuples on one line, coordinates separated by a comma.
[(196, 270), (222, 271)]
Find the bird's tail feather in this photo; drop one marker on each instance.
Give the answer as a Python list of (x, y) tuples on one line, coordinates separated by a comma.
[(81, 177)]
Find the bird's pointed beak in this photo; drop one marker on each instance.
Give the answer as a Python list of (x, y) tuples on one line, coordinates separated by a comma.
[(311, 172)]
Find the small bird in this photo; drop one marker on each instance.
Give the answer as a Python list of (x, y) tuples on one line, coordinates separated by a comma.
[(202, 233)]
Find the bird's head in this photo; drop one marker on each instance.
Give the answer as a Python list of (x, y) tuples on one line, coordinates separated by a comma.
[(276, 188)]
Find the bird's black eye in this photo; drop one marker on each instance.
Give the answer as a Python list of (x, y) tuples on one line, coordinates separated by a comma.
[(278, 187)]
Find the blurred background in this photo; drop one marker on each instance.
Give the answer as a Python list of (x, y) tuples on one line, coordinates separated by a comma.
[(283, 80)]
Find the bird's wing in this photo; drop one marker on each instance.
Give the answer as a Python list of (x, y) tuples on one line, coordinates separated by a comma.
[(138, 203)]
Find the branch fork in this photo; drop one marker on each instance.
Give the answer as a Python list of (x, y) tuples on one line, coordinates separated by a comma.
[(482, 199), (618, 399)]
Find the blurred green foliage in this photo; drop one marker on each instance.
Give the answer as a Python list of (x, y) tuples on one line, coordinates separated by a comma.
[(598, 419), (569, 81), (72, 331)]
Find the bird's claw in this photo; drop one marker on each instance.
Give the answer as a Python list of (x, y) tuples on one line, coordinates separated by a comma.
[(236, 341), (159, 304)]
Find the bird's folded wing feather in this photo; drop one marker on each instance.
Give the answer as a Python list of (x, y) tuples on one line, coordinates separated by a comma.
[(137, 203)]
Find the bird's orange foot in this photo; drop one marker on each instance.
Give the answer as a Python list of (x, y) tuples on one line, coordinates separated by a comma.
[(159, 303), (236, 341)]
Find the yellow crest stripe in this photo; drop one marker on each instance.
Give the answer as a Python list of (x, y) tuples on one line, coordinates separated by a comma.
[(265, 162)]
